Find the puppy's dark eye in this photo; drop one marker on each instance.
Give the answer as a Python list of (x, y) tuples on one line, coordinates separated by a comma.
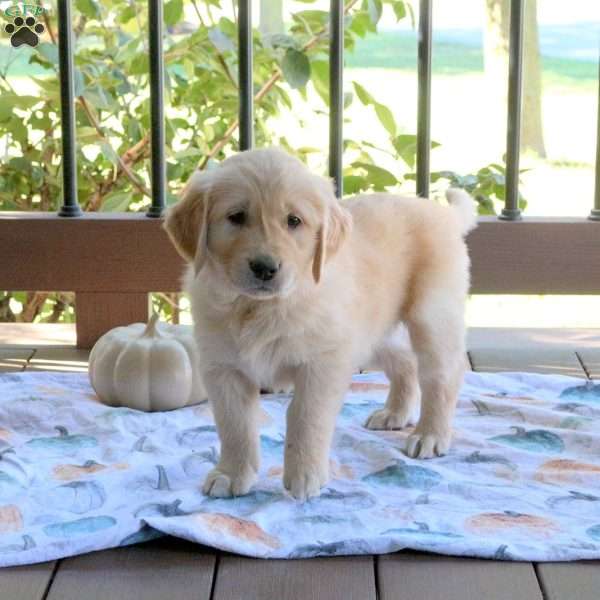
[(293, 221), (238, 218)]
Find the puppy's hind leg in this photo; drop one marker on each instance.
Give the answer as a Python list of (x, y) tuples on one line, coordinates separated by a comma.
[(438, 336), (400, 365)]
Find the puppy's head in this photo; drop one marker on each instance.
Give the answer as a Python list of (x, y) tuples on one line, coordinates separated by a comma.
[(262, 220)]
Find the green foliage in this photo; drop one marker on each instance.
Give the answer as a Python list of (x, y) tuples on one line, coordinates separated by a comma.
[(112, 106), (486, 186)]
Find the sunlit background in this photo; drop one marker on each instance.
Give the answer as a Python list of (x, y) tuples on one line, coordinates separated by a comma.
[(468, 116)]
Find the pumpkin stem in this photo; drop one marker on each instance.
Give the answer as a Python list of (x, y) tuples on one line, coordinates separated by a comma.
[(139, 445), (151, 329), (28, 542), (163, 480)]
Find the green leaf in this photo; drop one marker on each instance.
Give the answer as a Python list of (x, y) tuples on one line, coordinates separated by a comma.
[(139, 65), (386, 118), (406, 146), (354, 184), (221, 41), (377, 176), (360, 24), (399, 10), (98, 97), (173, 11), (8, 103), (89, 8), (78, 82), (48, 52), (362, 94), (108, 152), (126, 14), (384, 114), (296, 68), (374, 8), (281, 40), (320, 78), (116, 202), (86, 135)]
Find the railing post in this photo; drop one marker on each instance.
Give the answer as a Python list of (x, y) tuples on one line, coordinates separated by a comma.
[(245, 64), (98, 312), (595, 213), (424, 99), (336, 94), (511, 210), (70, 206), (157, 108)]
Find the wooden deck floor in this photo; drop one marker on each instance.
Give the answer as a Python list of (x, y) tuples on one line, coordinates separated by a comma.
[(169, 568)]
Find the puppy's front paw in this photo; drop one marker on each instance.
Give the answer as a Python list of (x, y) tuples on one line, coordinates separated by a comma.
[(427, 445), (220, 484), (305, 481), (387, 419)]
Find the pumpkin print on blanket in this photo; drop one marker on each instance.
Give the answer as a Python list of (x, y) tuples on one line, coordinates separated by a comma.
[(11, 518), (77, 497), (565, 471), (520, 482), (523, 524), (64, 444), (242, 529)]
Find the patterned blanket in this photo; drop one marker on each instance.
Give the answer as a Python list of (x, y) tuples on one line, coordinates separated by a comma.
[(521, 482)]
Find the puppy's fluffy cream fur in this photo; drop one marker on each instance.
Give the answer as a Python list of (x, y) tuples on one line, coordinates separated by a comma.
[(353, 277)]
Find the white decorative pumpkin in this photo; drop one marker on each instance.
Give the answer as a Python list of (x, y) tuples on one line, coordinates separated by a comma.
[(147, 367)]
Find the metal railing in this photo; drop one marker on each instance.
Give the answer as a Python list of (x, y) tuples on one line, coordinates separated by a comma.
[(509, 254), (511, 210)]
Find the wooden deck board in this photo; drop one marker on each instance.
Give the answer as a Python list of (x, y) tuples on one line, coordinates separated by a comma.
[(590, 357), (427, 577), (14, 359), (59, 359), (570, 581), (338, 578), (535, 350), (14, 335), (558, 362), (176, 569), (160, 570), (29, 582)]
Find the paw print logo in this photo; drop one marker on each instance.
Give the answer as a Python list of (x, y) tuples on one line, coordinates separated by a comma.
[(24, 31)]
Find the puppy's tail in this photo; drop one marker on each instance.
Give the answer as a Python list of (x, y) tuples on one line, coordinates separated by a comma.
[(464, 206)]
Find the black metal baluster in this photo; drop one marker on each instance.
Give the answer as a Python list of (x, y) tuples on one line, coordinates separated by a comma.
[(595, 214), (336, 94), (424, 98), (245, 75), (70, 206), (157, 108), (511, 210)]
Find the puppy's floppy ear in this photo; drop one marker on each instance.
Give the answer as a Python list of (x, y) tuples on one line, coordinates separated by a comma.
[(186, 222), (335, 228)]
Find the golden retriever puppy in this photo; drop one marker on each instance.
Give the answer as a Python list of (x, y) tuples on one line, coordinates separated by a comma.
[(289, 286)]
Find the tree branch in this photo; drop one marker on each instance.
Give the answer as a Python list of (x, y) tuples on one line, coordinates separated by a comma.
[(275, 77), (124, 167), (220, 57)]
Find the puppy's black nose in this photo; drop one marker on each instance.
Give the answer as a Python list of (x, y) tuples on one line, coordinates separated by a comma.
[(264, 267)]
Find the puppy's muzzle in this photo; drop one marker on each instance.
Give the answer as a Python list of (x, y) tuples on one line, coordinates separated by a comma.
[(264, 267)]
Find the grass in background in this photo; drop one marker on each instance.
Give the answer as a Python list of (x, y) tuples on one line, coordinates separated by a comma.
[(398, 50)]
